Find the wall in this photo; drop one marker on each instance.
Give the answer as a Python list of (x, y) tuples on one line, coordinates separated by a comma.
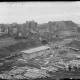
[(40, 53), (26, 56), (32, 55)]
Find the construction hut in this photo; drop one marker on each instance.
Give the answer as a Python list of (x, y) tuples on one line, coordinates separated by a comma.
[(34, 52)]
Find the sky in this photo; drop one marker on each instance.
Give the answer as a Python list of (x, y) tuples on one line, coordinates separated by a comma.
[(41, 12)]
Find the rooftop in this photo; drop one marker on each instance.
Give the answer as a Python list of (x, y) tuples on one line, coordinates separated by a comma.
[(36, 49)]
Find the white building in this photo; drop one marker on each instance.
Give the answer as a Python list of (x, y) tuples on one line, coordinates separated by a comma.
[(34, 52)]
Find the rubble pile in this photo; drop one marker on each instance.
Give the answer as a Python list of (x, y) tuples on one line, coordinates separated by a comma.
[(24, 72), (36, 74)]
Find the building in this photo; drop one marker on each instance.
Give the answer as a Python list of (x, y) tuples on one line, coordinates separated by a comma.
[(34, 52)]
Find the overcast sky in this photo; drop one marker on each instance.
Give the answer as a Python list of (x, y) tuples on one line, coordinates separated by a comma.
[(41, 12)]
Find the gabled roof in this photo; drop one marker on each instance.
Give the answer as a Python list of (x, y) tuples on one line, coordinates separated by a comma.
[(36, 49)]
